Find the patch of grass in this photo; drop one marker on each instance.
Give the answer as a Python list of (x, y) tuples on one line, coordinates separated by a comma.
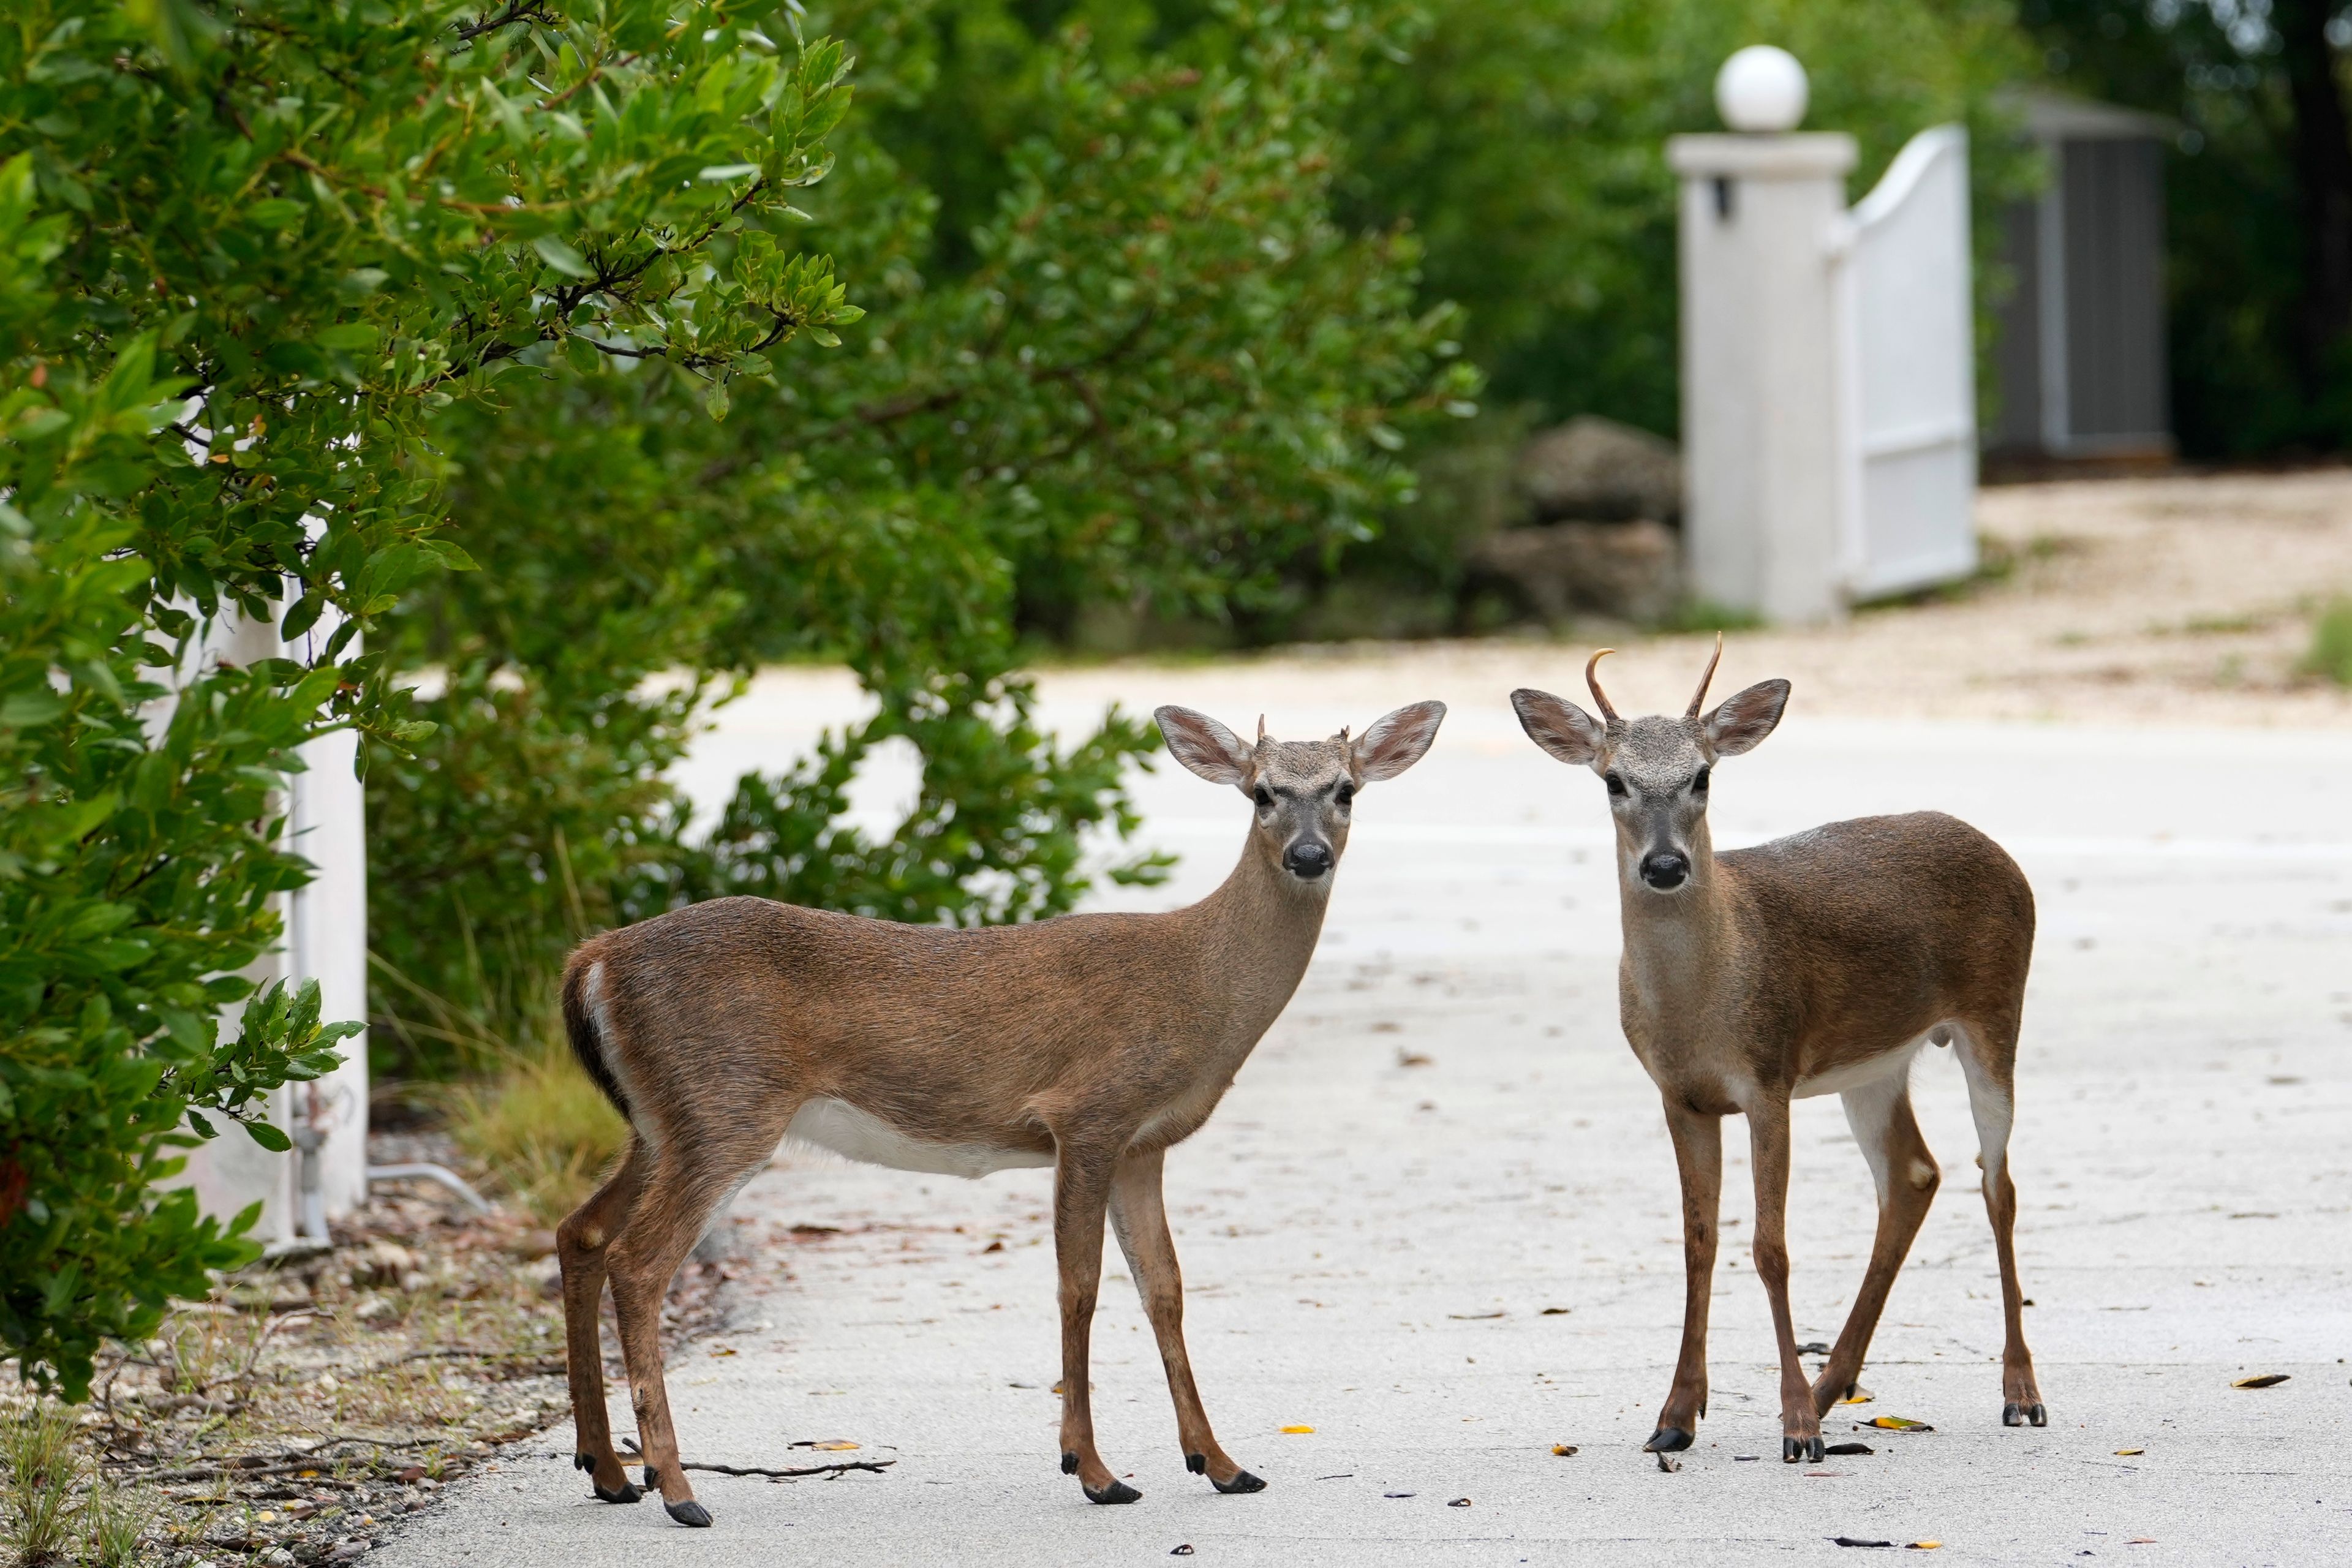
[(113, 1528), (37, 1448), (1699, 616), (544, 1130), (2224, 625), (2331, 644)]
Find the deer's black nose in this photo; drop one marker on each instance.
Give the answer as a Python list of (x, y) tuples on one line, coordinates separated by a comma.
[(1306, 859), (1665, 871)]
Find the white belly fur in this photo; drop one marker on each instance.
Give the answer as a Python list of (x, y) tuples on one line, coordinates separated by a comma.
[(841, 1127), (1898, 1060)]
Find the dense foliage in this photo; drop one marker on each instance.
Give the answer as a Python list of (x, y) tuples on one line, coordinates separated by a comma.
[(256, 248), (1151, 370)]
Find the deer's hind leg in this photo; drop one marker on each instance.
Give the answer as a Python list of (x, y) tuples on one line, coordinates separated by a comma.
[(1139, 1216), (693, 1170), (1989, 1059), (1906, 1178), (580, 1247)]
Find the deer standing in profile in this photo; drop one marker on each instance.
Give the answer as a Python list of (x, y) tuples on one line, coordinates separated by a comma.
[(1091, 1043), (1819, 963)]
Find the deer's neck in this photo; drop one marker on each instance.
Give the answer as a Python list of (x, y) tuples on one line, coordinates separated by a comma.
[(1256, 934), (1676, 944)]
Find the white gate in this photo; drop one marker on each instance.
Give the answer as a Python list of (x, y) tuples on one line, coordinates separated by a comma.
[(1909, 392)]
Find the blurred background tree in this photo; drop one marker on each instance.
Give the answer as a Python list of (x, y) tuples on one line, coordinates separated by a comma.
[(2259, 197)]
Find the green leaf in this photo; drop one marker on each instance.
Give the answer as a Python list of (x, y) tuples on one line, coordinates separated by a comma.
[(560, 257), (268, 1137)]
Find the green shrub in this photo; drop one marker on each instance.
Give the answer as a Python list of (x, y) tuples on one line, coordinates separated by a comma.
[(1150, 371), (2331, 644), (250, 251)]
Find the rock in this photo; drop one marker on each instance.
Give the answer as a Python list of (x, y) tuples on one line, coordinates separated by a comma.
[(1592, 469), (1629, 570)]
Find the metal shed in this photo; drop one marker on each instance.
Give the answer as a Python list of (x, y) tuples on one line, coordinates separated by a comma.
[(2081, 359)]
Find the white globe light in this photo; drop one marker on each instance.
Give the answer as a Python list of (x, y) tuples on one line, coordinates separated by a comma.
[(1760, 89)]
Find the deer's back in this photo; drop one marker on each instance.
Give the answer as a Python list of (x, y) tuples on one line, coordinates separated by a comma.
[(975, 1022), (1860, 935)]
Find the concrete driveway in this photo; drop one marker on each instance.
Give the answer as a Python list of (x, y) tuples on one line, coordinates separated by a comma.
[(1435, 1220)]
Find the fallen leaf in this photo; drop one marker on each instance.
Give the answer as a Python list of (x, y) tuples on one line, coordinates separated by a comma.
[(1745, 1458), (826, 1444), (2141, 1541), (307, 1474), (1563, 1450), (1183, 1551), (1849, 1541), (1398, 1494), (1668, 1463), (1459, 1502), (2129, 1453), (1555, 1311), (817, 1230), (996, 1246), (1926, 1546), (1897, 1423), (2267, 1380), (1848, 1449), (1860, 1395), (723, 1349), (1413, 1059), (1473, 1317), (1299, 1429), (415, 1473), (1829, 1474)]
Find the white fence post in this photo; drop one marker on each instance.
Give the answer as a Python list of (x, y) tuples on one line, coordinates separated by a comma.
[(326, 940), (1827, 359)]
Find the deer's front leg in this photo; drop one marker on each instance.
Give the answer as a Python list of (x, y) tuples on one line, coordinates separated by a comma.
[(1082, 1180), (1139, 1218), (1768, 1142), (1698, 1158)]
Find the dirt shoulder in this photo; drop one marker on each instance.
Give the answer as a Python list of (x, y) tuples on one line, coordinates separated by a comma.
[(2171, 601)]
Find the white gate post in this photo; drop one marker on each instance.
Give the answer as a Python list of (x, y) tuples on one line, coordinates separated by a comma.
[(325, 939), (1761, 438)]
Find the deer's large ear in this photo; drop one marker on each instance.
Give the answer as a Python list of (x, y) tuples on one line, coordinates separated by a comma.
[(1743, 719), (1205, 746), (1559, 726), (1398, 741)]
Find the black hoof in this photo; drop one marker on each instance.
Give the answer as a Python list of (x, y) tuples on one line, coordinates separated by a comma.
[(1242, 1481), (1796, 1450), (1117, 1491), (2039, 1417), (627, 1493), (2012, 1415), (653, 1482), (1816, 1450), (690, 1513), (1667, 1440), (1197, 1463), (584, 1461), (1069, 1464)]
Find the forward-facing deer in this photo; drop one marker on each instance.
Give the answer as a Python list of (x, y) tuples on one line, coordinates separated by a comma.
[(1818, 963), (1090, 1043)]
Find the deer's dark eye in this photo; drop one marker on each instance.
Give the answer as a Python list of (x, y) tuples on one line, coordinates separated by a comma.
[(1698, 784), (1616, 785), (1265, 801), (1347, 792)]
